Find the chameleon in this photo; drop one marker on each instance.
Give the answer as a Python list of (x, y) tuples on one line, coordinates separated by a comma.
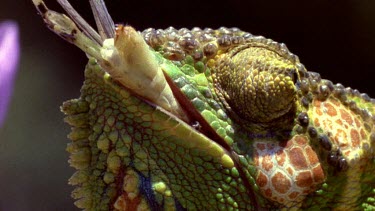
[(203, 119)]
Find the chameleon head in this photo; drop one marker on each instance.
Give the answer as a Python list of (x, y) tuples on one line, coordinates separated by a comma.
[(256, 83), (257, 80)]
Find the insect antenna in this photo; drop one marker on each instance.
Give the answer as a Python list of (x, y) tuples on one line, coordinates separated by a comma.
[(103, 20), (81, 23), (88, 40)]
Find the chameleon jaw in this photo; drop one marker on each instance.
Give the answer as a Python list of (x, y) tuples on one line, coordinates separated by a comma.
[(128, 60)]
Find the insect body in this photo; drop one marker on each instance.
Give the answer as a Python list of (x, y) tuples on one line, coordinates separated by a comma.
[(210, 120)]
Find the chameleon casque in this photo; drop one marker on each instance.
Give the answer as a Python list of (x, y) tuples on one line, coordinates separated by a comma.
[(210, 120)]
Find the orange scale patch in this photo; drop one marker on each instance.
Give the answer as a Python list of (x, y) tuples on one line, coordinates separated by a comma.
[(300, 140), (289, 144), (267, 162), (316, 103), (331, 111), (335, 102), (304, 179), (316, 122), (347, 153), (327, 124), (318, 111), (339, 122), (341, 138), (318, 174), (280, 157), (297, 158), (293, 195), (311, 155), (281, 183), (262, 180), (346, 116), (354, 137), (261, 146), (268, 193)]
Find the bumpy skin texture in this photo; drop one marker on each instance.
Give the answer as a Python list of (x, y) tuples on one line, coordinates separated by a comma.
[(131, 154), (289, 138), (254, 129)]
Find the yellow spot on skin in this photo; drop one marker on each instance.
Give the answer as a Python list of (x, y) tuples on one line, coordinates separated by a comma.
[(355, 138), (168, 193), (160, 187), (227, 161)]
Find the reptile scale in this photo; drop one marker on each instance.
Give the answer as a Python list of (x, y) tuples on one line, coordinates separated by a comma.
[(207, 119)]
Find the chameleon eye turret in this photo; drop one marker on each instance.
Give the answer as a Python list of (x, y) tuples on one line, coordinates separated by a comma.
[(256, 82), (181, 119)]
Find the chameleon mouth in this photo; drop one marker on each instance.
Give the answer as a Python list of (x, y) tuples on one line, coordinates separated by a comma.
[(195, 118), (121, 52), (109, 45)]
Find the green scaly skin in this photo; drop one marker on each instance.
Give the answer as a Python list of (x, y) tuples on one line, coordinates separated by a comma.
[(116, 132), (262, 132)]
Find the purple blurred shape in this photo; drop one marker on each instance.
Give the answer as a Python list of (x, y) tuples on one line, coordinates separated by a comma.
[(9, 56)]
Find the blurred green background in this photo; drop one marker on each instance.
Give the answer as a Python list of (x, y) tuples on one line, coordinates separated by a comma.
[(334, 38)]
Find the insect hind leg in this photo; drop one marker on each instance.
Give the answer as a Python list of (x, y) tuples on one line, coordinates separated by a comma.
[(66, 28), (103, 20)]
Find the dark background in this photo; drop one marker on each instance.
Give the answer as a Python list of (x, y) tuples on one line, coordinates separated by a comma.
[(334, 38)]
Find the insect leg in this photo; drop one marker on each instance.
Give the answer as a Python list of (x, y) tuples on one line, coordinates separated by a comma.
[(81, 23), (63, 26), (103, 20)]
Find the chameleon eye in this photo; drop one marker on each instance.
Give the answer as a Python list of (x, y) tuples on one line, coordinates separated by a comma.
[(256, 83)]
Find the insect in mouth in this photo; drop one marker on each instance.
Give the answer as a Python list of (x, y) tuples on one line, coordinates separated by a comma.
[(207, 119)]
